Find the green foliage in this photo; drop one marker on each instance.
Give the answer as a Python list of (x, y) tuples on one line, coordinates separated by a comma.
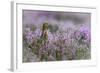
[(33, 28), (53, 28), (69, 55), (81, 53), (45, 26), (58, 55)]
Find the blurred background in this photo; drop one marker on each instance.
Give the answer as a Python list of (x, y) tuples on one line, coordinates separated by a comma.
[(61, 20)]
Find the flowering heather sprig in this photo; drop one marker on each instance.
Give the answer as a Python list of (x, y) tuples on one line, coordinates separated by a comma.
[(67, 45), (83, 34), (86, 32)]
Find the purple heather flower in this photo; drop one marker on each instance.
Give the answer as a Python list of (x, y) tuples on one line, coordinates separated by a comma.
[(37, 33), (29, 36), (62, 51), (86, 31), (77, 35), (50, 36), (83, 33)]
